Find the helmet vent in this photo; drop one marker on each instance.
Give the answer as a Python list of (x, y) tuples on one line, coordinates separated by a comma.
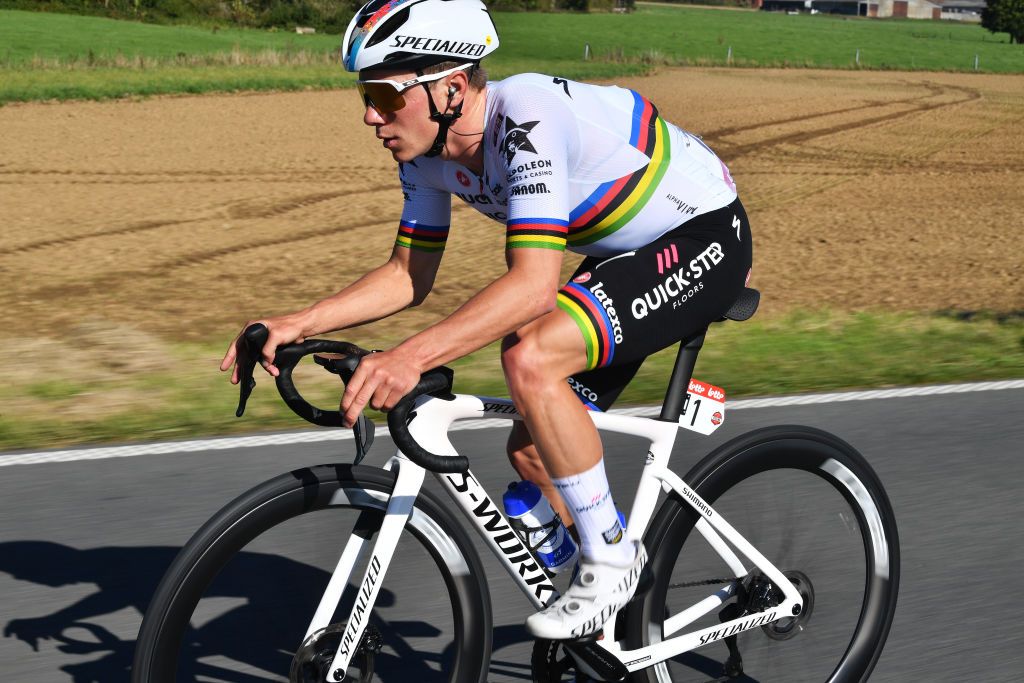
[(388, 28), (368, 11)]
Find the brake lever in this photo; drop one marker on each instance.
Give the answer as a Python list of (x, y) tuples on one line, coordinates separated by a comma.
[(254, 337), (363, 430)]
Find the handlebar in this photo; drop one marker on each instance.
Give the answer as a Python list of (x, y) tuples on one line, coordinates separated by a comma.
[(436, 382)]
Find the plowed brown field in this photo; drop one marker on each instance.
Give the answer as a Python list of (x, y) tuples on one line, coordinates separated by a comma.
[(184, 216)]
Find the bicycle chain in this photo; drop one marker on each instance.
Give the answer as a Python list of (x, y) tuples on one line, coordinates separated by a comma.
[(706, 582)]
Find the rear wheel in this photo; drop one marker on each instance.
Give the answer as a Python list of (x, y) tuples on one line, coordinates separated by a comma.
[(813, 506), (236, 602)]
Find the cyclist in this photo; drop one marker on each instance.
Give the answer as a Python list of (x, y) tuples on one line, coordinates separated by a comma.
[(562, 165)]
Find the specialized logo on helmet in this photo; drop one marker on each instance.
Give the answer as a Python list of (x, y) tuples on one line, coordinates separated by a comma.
[(516, 138), (450, 47)]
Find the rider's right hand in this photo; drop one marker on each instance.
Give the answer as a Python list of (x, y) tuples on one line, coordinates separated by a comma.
[(284, 329)]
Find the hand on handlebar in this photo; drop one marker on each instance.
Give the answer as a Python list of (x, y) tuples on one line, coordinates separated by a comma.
[(284, 329), (381, 380)]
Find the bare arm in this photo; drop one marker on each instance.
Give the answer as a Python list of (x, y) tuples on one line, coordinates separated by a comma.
[(527, 291), (403, 281)]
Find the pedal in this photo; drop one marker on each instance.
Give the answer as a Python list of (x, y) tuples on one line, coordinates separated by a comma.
[(600, 661)]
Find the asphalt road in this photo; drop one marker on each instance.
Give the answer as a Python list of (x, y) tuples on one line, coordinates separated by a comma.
[(82, 544)]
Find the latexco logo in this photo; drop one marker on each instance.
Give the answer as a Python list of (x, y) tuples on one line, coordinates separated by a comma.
[(582, 390), (613, 317)]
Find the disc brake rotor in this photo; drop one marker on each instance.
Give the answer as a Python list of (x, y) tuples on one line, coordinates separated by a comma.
[(786, 628), (312, 661)]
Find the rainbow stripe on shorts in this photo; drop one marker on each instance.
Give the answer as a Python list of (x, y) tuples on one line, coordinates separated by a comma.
[(590, 316)]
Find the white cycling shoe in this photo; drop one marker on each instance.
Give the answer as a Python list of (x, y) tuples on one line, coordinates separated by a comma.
[(598, 591)]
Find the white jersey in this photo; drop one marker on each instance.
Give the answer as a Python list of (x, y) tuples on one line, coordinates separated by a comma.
[(569, 165)]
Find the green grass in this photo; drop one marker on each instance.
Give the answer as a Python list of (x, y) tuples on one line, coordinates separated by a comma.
[(53, 56), (70, 38), (808, 351)]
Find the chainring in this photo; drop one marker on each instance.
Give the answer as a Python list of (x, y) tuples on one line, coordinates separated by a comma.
[(551, 662)]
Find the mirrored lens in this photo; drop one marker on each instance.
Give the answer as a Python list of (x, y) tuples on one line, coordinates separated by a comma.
[(381, 96)]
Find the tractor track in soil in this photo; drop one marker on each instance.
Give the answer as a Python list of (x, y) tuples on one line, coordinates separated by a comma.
[(860, 184)]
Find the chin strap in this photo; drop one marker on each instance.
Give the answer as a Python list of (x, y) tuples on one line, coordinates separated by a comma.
[(444, 121)]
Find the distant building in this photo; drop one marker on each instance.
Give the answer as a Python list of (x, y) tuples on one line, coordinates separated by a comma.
[(963, 10), (911, 9)]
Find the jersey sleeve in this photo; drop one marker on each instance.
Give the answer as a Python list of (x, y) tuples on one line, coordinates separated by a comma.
[(540, 137), (426, 213)]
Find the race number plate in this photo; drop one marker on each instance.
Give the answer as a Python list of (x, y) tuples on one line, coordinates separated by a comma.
[(703, 407)]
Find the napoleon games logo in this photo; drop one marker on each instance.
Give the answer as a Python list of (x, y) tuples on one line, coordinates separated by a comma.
[(516, 138)]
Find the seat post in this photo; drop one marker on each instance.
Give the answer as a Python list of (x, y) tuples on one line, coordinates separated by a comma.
[(686, 359)]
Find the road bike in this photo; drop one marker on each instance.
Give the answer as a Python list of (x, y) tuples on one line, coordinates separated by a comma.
[(393, 587)]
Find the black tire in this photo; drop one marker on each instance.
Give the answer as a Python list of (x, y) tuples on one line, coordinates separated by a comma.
[(811, 466), (164, 652)]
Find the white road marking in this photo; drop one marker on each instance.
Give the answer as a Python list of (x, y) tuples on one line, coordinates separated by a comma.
[(316, 436)]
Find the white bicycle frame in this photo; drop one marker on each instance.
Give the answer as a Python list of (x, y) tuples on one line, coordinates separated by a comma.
[(430, 428)]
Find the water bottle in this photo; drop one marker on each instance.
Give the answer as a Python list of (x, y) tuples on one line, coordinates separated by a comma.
[(539, 527)]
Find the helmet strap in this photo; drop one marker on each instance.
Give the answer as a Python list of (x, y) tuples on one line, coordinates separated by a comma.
[(444, 122)]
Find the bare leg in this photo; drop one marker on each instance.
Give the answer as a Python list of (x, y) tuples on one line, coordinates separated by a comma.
[(525, 460), (538, 359)]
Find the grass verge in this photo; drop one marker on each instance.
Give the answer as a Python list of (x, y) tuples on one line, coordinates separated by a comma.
[(53, 56), (174, 391)]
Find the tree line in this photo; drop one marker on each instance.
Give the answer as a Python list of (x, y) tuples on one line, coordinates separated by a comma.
[(328, 16), (1005, 16)]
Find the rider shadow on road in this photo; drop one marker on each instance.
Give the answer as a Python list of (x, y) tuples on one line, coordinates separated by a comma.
[(251, 619)]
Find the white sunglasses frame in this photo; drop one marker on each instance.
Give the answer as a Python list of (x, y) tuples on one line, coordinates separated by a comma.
[(401, 87)]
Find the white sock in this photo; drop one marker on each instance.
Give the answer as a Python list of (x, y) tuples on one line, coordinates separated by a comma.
[(590, 500)]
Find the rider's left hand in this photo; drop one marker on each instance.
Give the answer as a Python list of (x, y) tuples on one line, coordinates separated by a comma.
[(381, 380)]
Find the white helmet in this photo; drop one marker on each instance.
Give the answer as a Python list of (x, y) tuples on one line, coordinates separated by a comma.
[(412, 34)]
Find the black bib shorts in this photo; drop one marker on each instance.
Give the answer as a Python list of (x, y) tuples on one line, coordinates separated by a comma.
[(634, 304)]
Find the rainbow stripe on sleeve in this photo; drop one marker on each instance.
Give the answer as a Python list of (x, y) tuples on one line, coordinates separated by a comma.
[(612, 205), (421, 237), (543, 233)]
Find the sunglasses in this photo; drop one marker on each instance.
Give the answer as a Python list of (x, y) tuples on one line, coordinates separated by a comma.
[(386, 95)]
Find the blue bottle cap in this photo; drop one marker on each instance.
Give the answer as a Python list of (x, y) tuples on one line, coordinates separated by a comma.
[(520, 498)]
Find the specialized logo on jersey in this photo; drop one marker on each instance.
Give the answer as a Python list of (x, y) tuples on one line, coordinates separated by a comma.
[(516, 138), (462, 178)]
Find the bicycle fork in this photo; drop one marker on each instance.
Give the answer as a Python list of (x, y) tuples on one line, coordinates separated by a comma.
[(400, 506)]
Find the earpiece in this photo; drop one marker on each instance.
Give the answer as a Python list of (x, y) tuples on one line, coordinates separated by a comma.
[(452, 90)]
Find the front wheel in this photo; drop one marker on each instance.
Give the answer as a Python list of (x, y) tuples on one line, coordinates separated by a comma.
[(813, 507), (236, 602)]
